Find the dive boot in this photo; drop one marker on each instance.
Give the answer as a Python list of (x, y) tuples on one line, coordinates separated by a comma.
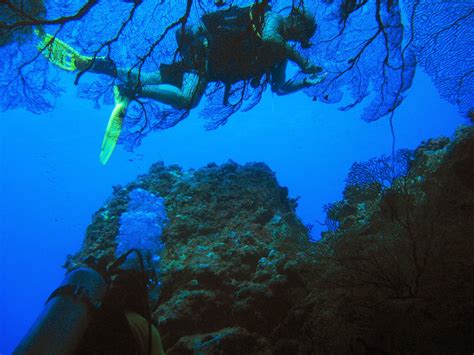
[(114, 127)]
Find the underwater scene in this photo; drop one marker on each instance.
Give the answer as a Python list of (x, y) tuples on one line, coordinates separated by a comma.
[(237, 177)]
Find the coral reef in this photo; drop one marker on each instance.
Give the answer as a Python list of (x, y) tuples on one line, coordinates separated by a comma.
[(395, 274), (238, 274), (231, 267)]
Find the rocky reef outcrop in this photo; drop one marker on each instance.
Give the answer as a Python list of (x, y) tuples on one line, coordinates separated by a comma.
[(395, 268), (393, 273), (231, 269)]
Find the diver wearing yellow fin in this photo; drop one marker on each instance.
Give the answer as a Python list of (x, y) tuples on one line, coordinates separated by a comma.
[(65, 57), (207, 54)]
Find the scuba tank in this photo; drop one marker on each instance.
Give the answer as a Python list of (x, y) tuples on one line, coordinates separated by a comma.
[(74, 311), (66, 315)]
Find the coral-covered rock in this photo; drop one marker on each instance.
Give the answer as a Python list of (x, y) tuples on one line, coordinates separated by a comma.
[(226, 341), (400, 263), (228, 273)]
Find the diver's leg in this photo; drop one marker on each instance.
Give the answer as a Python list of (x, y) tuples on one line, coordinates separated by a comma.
[(66, 57), (96, 65), (105, 66), (129, 76), (132, 77), (187, 97)]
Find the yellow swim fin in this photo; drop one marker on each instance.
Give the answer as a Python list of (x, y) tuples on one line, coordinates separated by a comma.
[(58, 52), (114, 127)]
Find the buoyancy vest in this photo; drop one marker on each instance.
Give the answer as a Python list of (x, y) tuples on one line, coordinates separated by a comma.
[(234, 43)]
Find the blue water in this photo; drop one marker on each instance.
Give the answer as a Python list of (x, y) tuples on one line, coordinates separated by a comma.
[(51, 180)]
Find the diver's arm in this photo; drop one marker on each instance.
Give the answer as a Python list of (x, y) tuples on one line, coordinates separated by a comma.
[(292, 54), (304, 64), (279, 79), (281, 86), (271, 34)]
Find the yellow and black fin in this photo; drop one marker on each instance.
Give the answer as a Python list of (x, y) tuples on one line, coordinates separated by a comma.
[(114, 126), (60, 53)]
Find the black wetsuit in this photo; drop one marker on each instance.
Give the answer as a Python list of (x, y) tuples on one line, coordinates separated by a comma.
[(234, 43), (229, 49)]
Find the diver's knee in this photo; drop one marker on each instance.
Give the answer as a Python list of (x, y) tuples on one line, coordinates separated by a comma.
[(190, 102), (183, 102)]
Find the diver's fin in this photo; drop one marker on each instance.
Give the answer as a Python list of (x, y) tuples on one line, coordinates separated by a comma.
[(114, 126), (59, 53)]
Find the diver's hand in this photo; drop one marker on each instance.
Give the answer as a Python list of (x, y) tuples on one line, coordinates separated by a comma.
[(314, 79)]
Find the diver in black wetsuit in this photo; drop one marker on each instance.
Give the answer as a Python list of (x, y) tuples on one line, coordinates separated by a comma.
[(227, 46), (239, 43)]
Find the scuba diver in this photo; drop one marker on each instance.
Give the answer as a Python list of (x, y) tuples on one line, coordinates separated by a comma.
[(97, 313), (239, 43)]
